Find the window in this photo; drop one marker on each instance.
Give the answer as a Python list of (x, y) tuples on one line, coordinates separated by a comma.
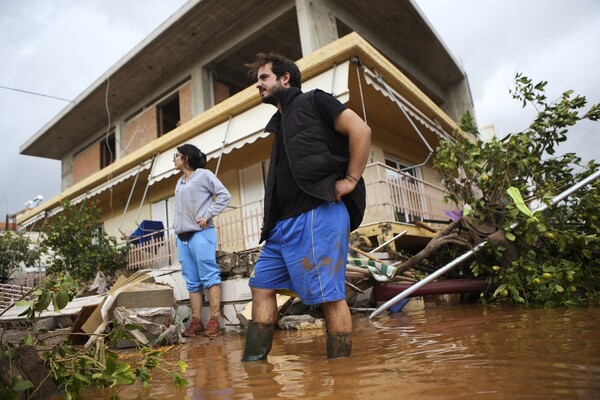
[(168, 116), (107, 150)]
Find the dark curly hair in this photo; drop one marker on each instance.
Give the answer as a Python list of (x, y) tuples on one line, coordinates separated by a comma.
[(280, 65), (194, 157)]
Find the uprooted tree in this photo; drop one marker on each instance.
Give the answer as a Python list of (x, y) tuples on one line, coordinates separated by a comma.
[(551, 257)]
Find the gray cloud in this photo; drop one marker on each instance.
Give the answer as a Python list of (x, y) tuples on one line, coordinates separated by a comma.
[(548, 40), (58, 49)]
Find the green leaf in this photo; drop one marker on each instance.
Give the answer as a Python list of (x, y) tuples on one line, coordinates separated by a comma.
[(20, 385), (124, 379), (180, 382), (28, 340), (559, 288), (82, 377), (467, 210), (130, 327), (55, 305), (111, 364), (516, 197), (499, 289), (42, 303), (541, 227), (510, 236), (182, 365), (62, 299)]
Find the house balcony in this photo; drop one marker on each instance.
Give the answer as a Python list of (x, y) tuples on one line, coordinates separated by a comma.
[(394, 198)]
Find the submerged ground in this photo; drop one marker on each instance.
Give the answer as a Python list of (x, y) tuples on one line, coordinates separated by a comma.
[(444, 352)]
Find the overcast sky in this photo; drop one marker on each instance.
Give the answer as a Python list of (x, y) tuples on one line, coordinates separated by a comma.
[(60, 47)]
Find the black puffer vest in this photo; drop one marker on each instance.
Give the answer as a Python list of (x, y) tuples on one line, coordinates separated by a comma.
[(317, 154)]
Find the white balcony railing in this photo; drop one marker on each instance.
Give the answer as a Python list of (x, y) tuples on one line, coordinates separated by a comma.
[(393, 195)]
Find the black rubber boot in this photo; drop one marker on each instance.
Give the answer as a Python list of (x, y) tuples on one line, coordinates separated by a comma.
[(259, 339), (339, 345)]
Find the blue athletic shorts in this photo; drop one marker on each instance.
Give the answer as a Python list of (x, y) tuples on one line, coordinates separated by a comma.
[(307, 254)]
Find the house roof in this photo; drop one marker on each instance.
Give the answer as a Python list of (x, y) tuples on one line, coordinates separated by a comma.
[(213, 28)]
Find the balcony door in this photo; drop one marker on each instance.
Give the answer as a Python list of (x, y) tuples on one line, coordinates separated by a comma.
[(164, 211)]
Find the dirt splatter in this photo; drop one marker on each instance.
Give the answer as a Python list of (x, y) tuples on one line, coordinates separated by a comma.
[(306, 264), (325, 261)]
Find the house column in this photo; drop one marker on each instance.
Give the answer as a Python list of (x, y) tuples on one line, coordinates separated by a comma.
[(316, 24), (459, 100), (119, 134), (201, 88)]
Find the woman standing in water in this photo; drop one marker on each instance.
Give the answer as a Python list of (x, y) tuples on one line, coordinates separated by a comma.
[(195, 209)]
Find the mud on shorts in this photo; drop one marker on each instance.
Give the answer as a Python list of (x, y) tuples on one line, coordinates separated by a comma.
[(307, 255)]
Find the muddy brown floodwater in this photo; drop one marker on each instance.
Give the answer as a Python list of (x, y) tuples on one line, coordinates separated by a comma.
[(451, 352)]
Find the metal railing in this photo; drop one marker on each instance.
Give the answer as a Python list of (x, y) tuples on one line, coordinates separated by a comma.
[(393, 195)]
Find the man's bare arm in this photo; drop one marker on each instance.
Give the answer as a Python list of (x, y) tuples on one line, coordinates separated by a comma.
[(359, 136)]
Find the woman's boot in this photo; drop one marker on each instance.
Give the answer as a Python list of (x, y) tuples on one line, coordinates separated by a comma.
[(259, 339), (339, 345)]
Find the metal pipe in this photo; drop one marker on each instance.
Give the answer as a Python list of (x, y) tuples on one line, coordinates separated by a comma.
[(389, 241), (474, 250), (223, 144)]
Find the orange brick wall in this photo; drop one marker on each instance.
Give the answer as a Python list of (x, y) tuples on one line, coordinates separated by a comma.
[(137, 132), (221, 92), (140, 130), (86, 162), (185, 102)]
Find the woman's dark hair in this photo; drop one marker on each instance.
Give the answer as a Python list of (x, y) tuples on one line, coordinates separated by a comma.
[(280, 65), (193, 156)]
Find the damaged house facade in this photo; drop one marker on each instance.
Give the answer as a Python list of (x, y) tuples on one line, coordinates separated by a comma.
[(186, 83)]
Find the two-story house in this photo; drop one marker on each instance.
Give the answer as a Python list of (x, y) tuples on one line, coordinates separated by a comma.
[(186, 82)]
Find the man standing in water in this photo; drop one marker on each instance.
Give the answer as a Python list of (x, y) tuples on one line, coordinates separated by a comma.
[(314, 197)]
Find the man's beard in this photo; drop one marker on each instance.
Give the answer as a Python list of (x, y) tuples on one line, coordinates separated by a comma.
[(270, 99)]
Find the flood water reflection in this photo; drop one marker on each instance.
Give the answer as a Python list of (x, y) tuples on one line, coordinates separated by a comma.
[(451, 352)]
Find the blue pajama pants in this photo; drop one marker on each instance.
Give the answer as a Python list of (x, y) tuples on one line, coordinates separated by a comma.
[(197, 258)]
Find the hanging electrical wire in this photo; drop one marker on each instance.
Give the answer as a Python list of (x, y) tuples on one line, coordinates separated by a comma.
[(37, 94)]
